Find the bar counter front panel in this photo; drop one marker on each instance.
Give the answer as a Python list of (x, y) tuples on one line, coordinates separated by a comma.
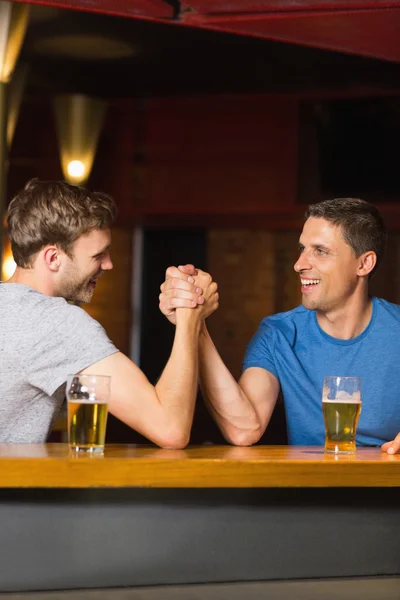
[(145, 516)]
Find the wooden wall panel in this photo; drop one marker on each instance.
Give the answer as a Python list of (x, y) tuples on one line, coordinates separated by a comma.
[(243, 263)]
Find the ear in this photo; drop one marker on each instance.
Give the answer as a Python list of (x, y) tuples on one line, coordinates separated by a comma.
[(52, 258), (366, 264)]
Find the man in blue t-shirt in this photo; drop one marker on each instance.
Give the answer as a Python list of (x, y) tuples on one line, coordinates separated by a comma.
[(339, 330)]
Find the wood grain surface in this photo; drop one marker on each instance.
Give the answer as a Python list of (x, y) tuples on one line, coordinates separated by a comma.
[(124, 466)]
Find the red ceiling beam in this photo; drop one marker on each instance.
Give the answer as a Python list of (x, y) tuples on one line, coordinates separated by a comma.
[(229, 7), (364, 27), (373, 33), (143, 9)]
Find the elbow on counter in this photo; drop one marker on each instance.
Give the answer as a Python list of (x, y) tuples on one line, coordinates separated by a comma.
[(173, 440), (240, 437)]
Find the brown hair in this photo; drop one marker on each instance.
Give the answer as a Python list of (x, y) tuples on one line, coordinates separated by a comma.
[(54, 212), (363, 227)]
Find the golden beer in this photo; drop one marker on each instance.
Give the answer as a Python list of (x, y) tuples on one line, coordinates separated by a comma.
[(341, 419), (87, 421)]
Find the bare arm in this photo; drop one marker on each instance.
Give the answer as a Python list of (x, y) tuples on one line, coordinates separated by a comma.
[(164, 412), (241, 409)]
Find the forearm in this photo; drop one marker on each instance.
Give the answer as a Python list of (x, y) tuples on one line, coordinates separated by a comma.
[(177, 387), (227, 402)]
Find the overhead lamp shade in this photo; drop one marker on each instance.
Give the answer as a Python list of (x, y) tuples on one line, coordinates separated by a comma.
[(79, 120), (13, 24)]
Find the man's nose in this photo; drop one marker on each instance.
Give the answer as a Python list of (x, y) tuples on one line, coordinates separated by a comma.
[(106, 264), (302, 263)]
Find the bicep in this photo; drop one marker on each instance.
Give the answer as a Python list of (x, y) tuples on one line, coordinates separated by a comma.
[(133, 398), (262, 389)]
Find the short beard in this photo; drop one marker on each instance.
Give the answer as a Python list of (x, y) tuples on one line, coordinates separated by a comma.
[(80, 296), (319, 306), (310, 305), (76, 292)]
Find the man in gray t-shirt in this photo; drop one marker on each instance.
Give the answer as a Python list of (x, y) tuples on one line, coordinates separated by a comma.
[(60, 237), (42, 340)]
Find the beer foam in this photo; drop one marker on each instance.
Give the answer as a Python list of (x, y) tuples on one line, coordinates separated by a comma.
[(355, 399), (85, 401), (343, 395)]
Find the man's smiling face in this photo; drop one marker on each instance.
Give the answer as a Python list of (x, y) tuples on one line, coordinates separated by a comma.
[(90, 257), (327, 266)]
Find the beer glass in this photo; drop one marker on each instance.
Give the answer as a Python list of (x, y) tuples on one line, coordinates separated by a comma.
[(87, 397), (341, 407)]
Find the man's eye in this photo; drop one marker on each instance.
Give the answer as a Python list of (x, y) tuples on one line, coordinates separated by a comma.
[(320, 251)]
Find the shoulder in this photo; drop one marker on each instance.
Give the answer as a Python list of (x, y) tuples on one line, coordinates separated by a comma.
[(69, 317), (386, 309), (284, 327), (286, 321), (22, 302), (43, 312)]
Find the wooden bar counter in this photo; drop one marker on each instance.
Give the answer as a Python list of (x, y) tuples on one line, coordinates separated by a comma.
[(51, 466), (141, 516)]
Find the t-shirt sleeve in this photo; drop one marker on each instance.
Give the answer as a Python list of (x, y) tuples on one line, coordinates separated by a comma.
[(260, 350), (68, 342)]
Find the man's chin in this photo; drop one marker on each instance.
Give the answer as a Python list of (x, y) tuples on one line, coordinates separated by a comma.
[(82, 298), (309, 303), (85, 299)]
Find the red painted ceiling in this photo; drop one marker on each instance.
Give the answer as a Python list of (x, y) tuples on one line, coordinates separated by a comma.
[(365, 27), (152, 9), (211, 7)]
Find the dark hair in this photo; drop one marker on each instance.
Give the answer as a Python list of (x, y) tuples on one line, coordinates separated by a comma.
[(362, 225), (54, 212)]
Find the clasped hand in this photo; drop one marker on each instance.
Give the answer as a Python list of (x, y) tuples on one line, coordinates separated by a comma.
[(187, 287)]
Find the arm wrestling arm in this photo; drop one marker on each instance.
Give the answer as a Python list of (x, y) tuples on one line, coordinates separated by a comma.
[(164, 412), (241, 409)]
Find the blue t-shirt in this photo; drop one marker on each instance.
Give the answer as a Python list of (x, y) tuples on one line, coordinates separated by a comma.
[(293, 347)]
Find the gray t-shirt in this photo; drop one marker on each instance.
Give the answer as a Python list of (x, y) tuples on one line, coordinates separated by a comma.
[(42, 341)]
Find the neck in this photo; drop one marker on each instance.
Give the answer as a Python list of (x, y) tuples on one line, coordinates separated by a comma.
[(32, 279), (347, 322)]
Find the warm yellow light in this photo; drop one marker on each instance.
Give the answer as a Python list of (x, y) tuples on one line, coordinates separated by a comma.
[(13, 24), (9, 267), (79, 120), (76, 170)]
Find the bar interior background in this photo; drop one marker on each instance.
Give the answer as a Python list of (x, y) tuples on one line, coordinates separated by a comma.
[(218, 126)]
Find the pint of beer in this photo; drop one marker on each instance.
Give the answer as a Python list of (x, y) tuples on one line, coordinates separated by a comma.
[(88, 397), (341, 407)]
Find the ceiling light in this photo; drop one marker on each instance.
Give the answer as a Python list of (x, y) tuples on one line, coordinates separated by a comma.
[(76, 170), (79, 121)]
